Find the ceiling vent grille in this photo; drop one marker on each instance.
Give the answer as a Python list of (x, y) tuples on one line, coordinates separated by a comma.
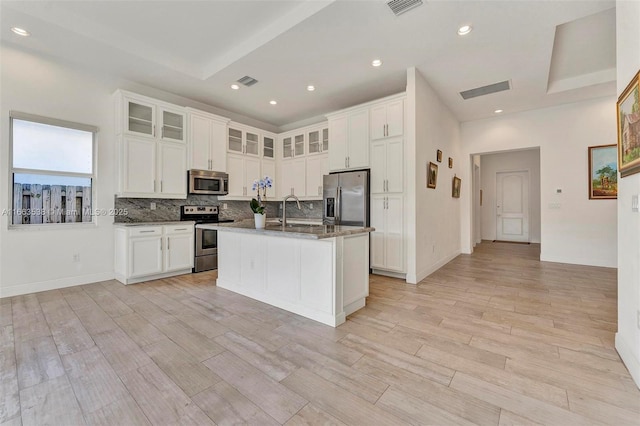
[(247, 81), (486, 90), (398, 7)]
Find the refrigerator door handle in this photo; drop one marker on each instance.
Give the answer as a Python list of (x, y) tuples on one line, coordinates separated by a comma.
[(338, 203)]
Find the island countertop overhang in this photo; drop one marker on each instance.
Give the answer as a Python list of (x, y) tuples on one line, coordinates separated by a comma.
[(312, 232)]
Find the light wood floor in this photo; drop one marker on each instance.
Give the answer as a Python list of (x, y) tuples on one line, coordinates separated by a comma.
[(496, 338)]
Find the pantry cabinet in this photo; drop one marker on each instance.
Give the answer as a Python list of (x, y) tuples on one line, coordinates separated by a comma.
[(387, 241), (349, 140), (151, 148), (144, 253), (387, 168), (207, 141), (387, 119)]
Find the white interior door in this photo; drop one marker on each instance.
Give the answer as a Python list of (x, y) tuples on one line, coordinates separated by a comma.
[(512, 206)]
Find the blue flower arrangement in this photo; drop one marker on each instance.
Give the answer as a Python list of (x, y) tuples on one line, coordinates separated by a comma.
[(260, 186)]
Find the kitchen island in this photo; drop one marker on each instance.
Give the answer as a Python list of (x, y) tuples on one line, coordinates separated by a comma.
[(320, 272)]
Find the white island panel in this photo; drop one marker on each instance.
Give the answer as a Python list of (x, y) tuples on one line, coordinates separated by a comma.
[(308, 277)]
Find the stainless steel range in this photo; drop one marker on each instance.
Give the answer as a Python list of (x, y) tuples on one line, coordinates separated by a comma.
[(206, 250)]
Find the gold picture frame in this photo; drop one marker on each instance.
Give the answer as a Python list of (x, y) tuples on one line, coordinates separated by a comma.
[(628, 118), (432, 175), (455, 187), (603, 172)]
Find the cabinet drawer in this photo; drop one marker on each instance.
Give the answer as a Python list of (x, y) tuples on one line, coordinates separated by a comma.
[(178, 229), (145, 231)]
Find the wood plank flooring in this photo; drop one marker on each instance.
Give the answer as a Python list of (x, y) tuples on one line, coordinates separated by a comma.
[(495, 338)]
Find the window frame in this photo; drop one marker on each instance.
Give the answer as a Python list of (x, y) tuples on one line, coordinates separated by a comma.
[(16, 115)]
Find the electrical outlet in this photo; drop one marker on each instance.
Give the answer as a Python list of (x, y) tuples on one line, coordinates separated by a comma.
[(224, 206), (152, 206), (634, 203), (310, 206), (76, 258)]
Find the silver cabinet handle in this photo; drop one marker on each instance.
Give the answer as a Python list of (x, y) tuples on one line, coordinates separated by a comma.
[(181, 229), (160, 186), (168, 243), (154, 185), (345, 162), (153, 131), (162, 132), (146, 232)]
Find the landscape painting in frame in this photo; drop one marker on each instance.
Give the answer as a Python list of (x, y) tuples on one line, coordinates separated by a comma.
[(603, 172), (629, 128)]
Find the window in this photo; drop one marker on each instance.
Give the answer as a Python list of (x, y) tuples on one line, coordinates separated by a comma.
[(52, 170)]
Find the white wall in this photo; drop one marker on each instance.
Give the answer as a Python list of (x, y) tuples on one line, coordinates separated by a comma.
[(41, 259), (628, 336), (505, 162), (580, 231), (433, 214)]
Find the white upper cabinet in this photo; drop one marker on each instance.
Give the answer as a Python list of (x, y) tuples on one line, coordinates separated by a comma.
[(318, 140), (349, 140), (293, 145), (152, 154), (387, 119), (207, 141), (244, 140), (242, 170), (269, 146), (293, 177), (143, 116), (317, 167)]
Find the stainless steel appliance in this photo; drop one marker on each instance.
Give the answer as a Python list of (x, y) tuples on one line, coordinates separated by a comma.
[(346, 198), (208, 182), (206, 240)]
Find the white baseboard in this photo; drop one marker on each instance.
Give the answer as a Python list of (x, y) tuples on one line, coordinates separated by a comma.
[(415, 279), (544, 257), (629, 359), (391, 274), (27, 288)]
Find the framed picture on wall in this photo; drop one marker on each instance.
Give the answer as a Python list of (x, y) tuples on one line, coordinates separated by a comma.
[(628, 108), (455, 187), (439, 156), (432, 175), (603, 172)]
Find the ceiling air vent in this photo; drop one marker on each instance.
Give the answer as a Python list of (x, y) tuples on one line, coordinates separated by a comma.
[(247, 81), (401, 6), (486, 90)]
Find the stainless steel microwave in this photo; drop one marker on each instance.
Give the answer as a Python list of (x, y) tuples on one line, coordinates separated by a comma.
[(208, 182)]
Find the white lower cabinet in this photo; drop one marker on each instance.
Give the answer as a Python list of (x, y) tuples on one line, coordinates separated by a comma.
[(387, 241), (149, 252)]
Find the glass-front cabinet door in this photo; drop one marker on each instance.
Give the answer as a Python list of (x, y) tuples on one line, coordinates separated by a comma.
[(140, 118), (325, 140), (314, 142), (268, 147), (172, 126), (299, 145), (235, 140), (287, 147), (252, 144)]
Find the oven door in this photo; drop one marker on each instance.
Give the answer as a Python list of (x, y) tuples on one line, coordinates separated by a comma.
[(206, 242)]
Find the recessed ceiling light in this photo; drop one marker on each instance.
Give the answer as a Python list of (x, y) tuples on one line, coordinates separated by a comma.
[(464, 30), (21, 32), (498, 111), (376, 62), (273, 102), (311, 88), (235, 86)]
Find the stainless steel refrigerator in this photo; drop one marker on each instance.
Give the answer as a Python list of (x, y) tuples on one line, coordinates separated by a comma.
[(346, 198)]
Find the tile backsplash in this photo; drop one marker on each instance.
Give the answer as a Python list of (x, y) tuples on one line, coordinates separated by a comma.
[(139, 209)]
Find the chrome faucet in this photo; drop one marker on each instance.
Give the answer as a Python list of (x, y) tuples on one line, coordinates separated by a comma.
[(284, 208)]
